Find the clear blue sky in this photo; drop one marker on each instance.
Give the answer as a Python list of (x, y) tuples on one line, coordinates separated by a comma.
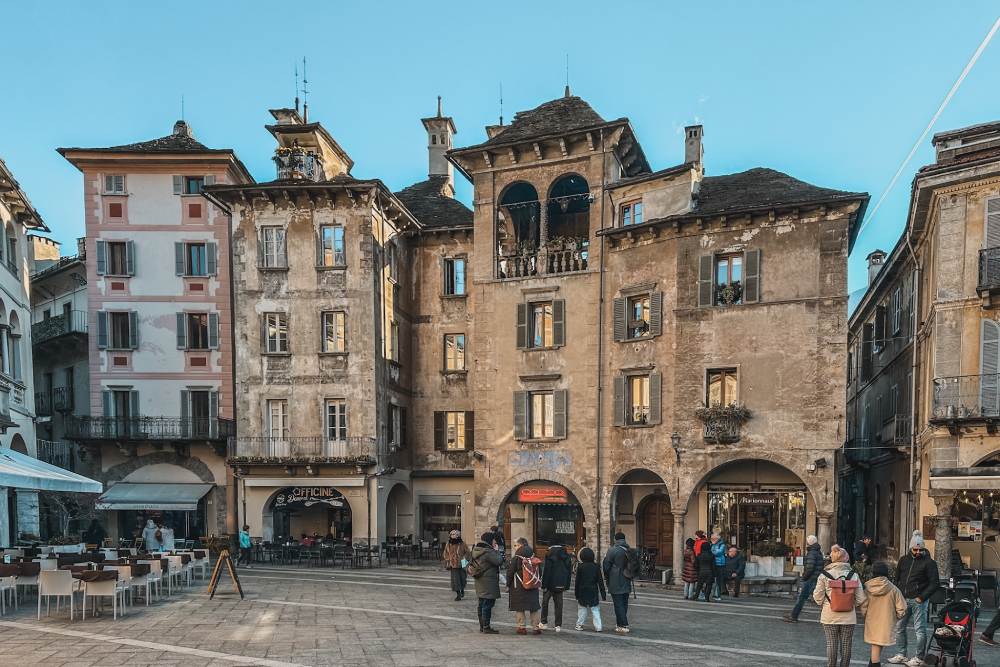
[(832, 93)]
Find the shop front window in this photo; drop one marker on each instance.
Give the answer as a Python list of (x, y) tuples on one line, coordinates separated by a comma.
[(747, 518), (438, 519)]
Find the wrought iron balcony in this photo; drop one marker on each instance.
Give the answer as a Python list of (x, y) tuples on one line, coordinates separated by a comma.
[(723, 429), (989, 270), (176, 429), (896, 431), (966, 398), (59, 454), (357, 449), (62, 399), (298, 164), (60, 325), (43, 404)]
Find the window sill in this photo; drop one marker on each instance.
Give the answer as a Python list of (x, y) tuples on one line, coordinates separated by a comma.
[(332, 354), (637, 425), (638, 339), (333, 267), (457, 373), (191, 194), (283, 269), (194, 275), (198, 350), (540, 441), (117, 276), (117, 349), (547, 348), (275, 354), (454, 296), (114, 194), (464, 450)]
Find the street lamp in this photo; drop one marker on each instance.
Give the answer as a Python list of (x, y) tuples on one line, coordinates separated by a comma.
[(675, 441)]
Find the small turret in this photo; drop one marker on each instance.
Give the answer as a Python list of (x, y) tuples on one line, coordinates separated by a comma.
[(440, 130)]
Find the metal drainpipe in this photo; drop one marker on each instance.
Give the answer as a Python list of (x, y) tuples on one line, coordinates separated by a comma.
[(600, 359), (914, 369)]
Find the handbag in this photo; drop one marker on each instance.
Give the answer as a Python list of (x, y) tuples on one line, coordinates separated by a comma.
[(464, 563)]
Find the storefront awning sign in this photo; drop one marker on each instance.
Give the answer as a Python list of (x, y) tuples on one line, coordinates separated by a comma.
[(538, 493), (307, 496), (174, 497)]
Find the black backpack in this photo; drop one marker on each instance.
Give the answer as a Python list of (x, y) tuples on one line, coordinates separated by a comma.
[(633, 565)]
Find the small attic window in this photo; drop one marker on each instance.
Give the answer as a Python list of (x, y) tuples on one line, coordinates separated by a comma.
[(434, 138)]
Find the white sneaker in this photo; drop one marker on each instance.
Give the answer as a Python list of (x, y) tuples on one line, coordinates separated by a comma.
[(898, 659), (597, 629), (578, 627), (542, 626), (915, 661), (558, 629)]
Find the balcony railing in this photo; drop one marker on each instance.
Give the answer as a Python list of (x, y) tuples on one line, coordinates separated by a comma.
[(896, 431), (59, 325), (57, 453), (966, 397), (354, 448), (43, 403), (989, 269), (298, 164), (723, 429), (149, 428), (62, 399), (566, 257)]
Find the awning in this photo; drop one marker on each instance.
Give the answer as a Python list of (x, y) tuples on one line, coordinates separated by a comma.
[(128, 496), (21, 471)]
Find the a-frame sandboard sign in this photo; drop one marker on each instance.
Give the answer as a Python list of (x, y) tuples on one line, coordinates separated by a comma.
[(213, 583)]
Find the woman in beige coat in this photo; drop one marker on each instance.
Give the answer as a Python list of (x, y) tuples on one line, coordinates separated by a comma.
[(838, 625), (883, 607)]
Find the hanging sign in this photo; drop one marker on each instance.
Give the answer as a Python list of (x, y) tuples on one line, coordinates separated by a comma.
[(307, 496), (543, 494)]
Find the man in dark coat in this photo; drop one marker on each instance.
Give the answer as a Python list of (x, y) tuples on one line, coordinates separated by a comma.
[(523, 601), (705, 561), (485, 564), (917, 577), (556, 573), (619, 585), (733, 571), (812, 565), (588, 585)]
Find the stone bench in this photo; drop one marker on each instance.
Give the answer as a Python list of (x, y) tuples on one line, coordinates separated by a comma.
[(769, 585)]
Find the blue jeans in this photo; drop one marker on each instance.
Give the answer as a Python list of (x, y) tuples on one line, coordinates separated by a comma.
[(620, 601), (808, 587), (486, 611), (917, 612)]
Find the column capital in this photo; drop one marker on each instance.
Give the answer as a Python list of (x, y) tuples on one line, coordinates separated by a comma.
[(824, 516), (943, 501)]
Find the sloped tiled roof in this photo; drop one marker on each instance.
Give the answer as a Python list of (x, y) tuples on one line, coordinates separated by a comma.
[(564, 114), (432, 206), (761, 188), (179, 141)]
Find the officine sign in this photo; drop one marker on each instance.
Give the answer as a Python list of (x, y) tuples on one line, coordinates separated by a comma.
[(307, 496)]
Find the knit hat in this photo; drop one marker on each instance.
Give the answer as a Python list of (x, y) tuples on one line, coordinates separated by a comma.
[(880, 569), (917, 540), (838, 554)]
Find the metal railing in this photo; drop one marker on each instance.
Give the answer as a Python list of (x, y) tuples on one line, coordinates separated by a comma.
[(43, 403), (966, 397), (57, 453), (354, 448), (59, 325), (896, 431), (149, 428), (723, 429), (989, 269), (62, 399)]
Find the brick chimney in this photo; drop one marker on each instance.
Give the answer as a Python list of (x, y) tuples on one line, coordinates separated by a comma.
[(694, 151)]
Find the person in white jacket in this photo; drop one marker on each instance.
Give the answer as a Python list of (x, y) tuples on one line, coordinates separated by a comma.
[(149, 536), (838, 625)]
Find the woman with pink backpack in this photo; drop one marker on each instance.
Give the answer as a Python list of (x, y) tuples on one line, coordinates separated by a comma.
[(839, 593), (523, 582)]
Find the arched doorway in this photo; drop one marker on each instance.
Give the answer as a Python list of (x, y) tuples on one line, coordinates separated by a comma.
[(309, 510), (18, 445), (656, 527), (641, 510), (399, 513), (546, 513)]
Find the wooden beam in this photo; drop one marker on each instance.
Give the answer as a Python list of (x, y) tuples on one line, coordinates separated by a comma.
[(488, 159), (562, 146), (538, 150)]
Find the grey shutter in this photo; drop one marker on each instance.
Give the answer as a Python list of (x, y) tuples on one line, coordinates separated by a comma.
[(106, 403), (130, 258), (522, 326), (102, 330), (989, 364), (559, 322), (655, 384), (179, 259), (213, 330), (178, 185), (620, 325), (705, 267), (212, 258), (470, 431), (102, 258), (520, 415), (439, 431), (181, 331), (560, 400), (993, 223), (618, 404), (656, 313), (263, 333), (133, 330), (186, 413), (319, 246), (751, 276), (213, 414), (133, 404), (209, 179), (260, 248)]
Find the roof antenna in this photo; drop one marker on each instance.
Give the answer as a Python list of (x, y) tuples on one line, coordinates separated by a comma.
[(296, 87), (567, 93), (182, 106), (305, 93), (501, 103)]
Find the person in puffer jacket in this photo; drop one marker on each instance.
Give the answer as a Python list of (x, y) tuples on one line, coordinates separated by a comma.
[(812, 565), (705, 562), (690, 572), (882, 609), (556, 573), (719, 554)]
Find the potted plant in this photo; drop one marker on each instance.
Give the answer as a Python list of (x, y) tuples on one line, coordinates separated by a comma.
[(728, 294), (770, 558), (722, 422)]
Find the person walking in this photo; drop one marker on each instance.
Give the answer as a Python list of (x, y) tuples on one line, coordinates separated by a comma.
[(523, 582), (733, 571), (245, 546), (616, 573), (987, 636), (812, 565), (838, 625), (455, 557), (719, 552), (917, 576), (484, 564), (149, 536), (705, 563), (883, 607), (690, 572), (556, 573), (588, 585)]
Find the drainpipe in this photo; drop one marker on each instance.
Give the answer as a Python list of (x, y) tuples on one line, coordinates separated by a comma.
[(914, 368), (600, 360)]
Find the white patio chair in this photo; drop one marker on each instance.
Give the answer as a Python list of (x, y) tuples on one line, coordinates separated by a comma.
[(198, 567), (175, 572), (24, 581), (8, 585), (104, 589), (124, 583), (47, 563), (55, 584), (155, 575)]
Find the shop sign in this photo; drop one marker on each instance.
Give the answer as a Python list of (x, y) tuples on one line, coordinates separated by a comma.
[(307, 496), (543, 494)]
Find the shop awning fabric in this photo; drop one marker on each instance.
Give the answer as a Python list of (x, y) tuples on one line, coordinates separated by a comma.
[(21, 471), (128, 496)]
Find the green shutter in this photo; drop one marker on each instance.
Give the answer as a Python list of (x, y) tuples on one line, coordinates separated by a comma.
[(181, 331), (705, 268), (107, 405), (559, 322), (751, 276), (185, 413), (133, 403), (522, 326), (619, 326), (212, 258), (656, 313), (213, 330), (618, 404), (102, 258), (520, 415), (179, 259), (133, 330), (102, 330), (560, 404), (130, 258)]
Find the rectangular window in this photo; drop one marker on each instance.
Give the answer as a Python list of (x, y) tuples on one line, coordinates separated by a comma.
[(729, 279), (332, 246), (632, 213), (454, 437), (277, 419), (193, 185), (541, 324), (272, 239), (396, 425), (394, 341), (454, 352), (115, 210), (196, 259), (121, 332), (880, 328), (197, 331), (334, 331), (897, 310), (638, 400), (721, 387), (276, 333), (638, 316), (114, 184), (392, 260), (336, 419), (454, 276), (541, 417), (117, 258)]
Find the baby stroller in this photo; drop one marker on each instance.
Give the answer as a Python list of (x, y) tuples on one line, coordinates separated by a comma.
[(955, 629)]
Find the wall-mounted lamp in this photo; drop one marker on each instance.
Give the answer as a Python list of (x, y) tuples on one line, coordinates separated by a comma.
[(479, 456), (820, 463), (675, 442)]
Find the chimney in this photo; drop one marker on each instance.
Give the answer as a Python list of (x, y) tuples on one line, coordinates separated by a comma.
[(182, 129), (440, 130), (876, 258), (494, 130), (693, 150)]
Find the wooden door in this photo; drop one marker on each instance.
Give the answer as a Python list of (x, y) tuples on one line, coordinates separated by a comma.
[(658, 529)]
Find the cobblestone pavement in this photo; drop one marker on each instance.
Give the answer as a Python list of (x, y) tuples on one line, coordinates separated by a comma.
[(406, 617)]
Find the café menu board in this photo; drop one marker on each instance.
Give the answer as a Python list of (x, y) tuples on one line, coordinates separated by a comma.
[(307, 496)]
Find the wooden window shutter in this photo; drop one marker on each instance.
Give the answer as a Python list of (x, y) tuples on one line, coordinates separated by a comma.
[(656, 313), (179, 258), (319, 246), (705, 287), (620, 326), (133, 403), (178, 185), (213, 331), (106, 404), (618, 404), (130, 258), (470, 431), (993, 223), (520, 415), (560, 405), (867, 341), (559, 322), (185, 411), (751, 276), (522, 326), (439, 431), (209, 179), (212, 258), (181, 331), (102, 330), (102, 258), (989, 364), (213, 413), (133, 330), (655, 385)]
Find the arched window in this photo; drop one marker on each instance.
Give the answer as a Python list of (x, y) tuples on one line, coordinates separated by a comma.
[(518, 218), (569, 209)]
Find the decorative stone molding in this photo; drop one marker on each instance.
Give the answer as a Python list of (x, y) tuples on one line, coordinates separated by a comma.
[(195, 465)]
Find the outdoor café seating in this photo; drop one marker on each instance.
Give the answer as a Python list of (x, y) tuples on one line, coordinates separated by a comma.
[(56, 584), (103, 584), (8, 586)]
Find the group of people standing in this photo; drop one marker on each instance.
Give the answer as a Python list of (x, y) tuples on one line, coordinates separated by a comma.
[(526, 576), (157, 536), (710, 567)]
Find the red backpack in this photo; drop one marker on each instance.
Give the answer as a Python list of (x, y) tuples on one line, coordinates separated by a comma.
[(841, 590), (528, 578)]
